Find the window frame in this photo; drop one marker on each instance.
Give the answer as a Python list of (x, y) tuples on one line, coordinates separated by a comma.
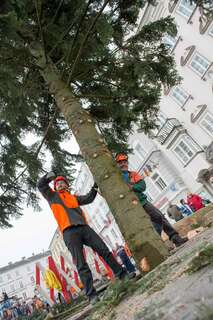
[(137, 143), (181, 13), (191, 148), (24, 295), (181, 104), (203, 119), (114, 234), (161, 120), (195, 70), (156, 181), (171, 41), (149, 198)]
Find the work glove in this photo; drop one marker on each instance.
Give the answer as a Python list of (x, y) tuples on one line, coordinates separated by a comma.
[(51, 175)]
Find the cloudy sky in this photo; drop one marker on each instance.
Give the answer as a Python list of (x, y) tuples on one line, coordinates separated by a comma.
[(32, 233)]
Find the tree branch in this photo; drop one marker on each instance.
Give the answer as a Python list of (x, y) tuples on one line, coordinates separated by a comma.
[(77, 31), (85, 40), (56, 13), (36, 155), (40, 29), (62, 37)]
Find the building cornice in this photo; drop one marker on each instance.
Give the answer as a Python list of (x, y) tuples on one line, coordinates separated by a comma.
[(24, 261)]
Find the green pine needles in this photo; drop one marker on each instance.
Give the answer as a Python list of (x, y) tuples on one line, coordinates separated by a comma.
[(117, 77)]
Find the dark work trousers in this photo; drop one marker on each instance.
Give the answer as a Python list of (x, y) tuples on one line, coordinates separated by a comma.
[(126, 261), (77, 236), (159, 221)]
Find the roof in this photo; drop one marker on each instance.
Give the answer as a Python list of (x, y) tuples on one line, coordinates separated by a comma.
[(53, 238), (19, 263)]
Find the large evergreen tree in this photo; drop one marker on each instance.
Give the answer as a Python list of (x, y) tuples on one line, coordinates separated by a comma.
[(57, 55)]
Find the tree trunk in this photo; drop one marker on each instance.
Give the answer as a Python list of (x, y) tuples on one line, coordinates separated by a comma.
[(134, 223)]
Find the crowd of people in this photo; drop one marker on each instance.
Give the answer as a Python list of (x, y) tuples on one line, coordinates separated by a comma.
[(13, 308), (193, 203)]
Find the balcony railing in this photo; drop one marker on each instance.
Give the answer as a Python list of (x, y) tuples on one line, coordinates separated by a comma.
[(168, 129)]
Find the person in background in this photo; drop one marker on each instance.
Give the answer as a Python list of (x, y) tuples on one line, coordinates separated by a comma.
[(5, 296), (185, 208), (194, 201), (121, 253), (61, 298), (174, 212), (136, 183), (206, 202)]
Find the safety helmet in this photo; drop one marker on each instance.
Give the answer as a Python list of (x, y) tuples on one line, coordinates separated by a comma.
[(60, 178), (121, 157)]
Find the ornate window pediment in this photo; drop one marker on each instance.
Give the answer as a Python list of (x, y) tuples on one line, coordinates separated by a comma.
[(209, 153), (171, 5), (170, 128), (204, 22), (188, 53), (186, 148), (194, 116)]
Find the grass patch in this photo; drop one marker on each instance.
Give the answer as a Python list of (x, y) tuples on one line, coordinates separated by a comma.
[(201, 259), (113, 295), (195, 225)]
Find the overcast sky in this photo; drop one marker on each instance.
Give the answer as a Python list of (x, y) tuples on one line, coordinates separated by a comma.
[(32, 233)]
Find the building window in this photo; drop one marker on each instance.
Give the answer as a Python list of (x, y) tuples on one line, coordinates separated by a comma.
[(21, 284), (114, 234), (211, 31), (149, 198), (32, 279), (17, 273), (97, 224), (207, 123), (185, 8), (24, 295), (169, 41), (179, 95), (161, 119), (1, 279), (199, 64), (185, 149), (160, 183), (108, 241), (140, 151), (103, 206)]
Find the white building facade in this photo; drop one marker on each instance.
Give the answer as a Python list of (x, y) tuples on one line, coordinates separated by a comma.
[(19, 278), (180, 152)]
